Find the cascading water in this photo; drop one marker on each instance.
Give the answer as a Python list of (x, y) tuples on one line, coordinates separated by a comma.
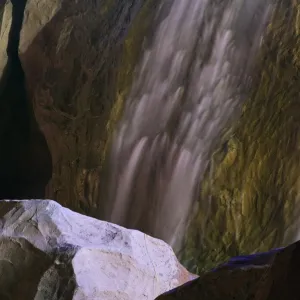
[(187, 86)]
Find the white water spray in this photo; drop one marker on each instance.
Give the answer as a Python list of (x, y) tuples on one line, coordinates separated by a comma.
[(187, 86)]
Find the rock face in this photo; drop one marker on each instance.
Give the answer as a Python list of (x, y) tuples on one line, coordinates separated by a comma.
[(264, 276), (64, 71), (5, 23), (253, 180), (50, 252), (24, 157), (70, 53)]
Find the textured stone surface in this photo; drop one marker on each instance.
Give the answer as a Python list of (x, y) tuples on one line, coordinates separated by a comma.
[(24, 157), (267, 276), (50, 252), (70, 53), (5, 23), (253, 179)]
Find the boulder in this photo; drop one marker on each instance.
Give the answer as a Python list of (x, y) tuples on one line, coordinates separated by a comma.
[(50, 252), (263, 276)]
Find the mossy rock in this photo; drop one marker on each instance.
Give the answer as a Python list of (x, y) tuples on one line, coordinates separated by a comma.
[(78, 59), (253, 185)]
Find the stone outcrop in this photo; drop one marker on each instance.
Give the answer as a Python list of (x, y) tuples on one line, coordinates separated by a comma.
[(264, 276), (50, 252)]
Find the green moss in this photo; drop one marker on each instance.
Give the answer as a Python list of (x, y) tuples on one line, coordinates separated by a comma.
[(84, 119), (131, 53), (255, 188)]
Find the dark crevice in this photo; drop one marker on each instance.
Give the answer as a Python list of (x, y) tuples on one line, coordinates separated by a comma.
[(25, 162), (1, 12)]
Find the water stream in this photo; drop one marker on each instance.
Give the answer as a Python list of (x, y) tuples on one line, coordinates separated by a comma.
[(190, 82)]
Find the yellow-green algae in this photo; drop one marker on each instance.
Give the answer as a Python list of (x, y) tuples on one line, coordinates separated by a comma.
[(132, 50), (131, 53), (254, 186)]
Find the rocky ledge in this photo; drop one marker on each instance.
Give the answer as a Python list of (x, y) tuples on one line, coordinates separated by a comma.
[(262, 276), (50, 252)]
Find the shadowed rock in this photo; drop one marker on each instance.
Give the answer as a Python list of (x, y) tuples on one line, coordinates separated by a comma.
[(25, 162), (263, 276), (70, 53)]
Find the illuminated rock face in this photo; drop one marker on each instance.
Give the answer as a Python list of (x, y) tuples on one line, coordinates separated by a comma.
[(50, 252)]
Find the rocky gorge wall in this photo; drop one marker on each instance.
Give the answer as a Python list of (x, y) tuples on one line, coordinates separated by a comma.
[(253, 180), (62, 101), (80, 56), (76, 67), (24, 157)]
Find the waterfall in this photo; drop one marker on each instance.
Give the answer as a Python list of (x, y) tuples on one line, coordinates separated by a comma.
[(190, 82)]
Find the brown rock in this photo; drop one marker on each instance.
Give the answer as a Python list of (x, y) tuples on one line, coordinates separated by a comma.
[(70, 53), (263, 277), (24, 157), (21, 268)]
